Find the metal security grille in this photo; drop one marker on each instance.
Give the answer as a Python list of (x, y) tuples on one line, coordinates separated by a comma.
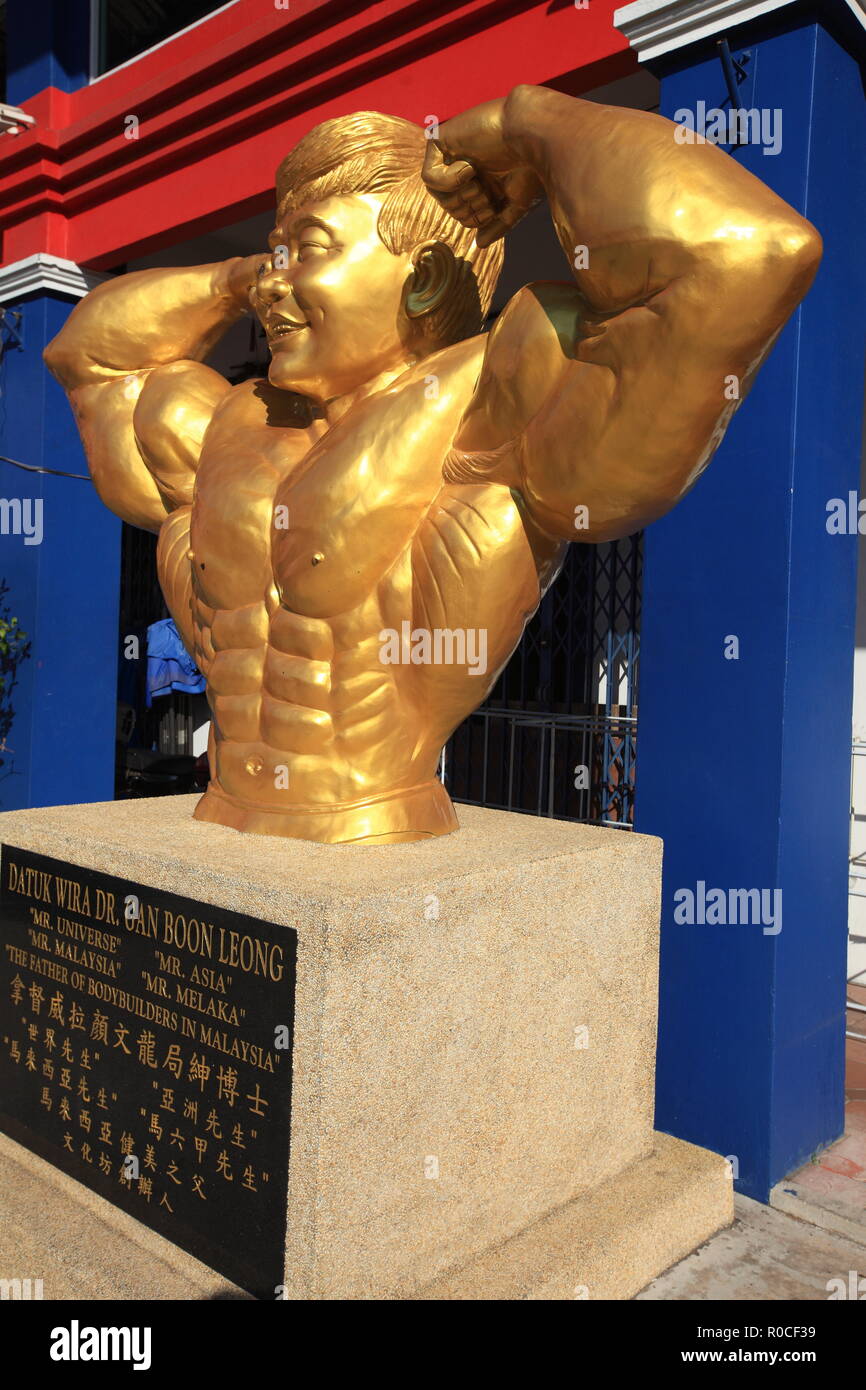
[(141, 600), (557, 735)]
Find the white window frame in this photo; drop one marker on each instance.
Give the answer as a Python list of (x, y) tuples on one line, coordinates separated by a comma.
[(95, 15)]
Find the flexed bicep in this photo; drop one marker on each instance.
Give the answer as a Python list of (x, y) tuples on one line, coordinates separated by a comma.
[(170, 419), (104, 413), (603, 401), (130, 359), (142, 434), (611, 418), (603, 421)]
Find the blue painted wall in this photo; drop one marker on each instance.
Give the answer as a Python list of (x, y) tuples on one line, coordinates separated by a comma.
[(64, 591), (743, 765)]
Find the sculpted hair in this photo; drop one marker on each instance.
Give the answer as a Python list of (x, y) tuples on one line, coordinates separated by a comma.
[(371, 153)]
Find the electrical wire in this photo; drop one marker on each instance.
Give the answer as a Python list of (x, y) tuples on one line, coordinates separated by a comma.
[(55, 472)]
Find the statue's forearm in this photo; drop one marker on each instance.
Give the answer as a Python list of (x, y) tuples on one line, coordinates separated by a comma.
[(147, 319), (635, 210)]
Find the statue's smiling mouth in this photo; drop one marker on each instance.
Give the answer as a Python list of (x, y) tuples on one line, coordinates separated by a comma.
[(282, 328)]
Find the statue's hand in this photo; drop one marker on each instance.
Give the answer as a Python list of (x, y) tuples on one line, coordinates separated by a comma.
[(475, 175), (242, 276)]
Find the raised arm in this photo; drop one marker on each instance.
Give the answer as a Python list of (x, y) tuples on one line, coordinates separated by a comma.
[(612, 394), (129, 360)]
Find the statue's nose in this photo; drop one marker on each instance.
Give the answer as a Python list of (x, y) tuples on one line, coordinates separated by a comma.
[(274, 285)]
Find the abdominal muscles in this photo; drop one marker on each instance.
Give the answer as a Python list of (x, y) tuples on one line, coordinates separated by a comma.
[(304, 710)]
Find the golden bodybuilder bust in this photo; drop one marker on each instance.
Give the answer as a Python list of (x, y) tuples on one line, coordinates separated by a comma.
[(351, 548)]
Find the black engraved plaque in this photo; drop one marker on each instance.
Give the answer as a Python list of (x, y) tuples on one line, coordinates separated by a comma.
[(146, 1050)]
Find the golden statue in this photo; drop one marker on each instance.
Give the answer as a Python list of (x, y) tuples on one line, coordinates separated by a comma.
[(352, 547)]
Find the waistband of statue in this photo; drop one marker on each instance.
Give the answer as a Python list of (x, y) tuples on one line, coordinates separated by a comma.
[(408, 813)]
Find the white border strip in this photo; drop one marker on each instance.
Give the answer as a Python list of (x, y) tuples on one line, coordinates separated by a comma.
[(654, 27), (43, 272)]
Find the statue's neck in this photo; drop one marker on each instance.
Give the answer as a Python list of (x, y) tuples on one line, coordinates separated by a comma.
[(334, 409)]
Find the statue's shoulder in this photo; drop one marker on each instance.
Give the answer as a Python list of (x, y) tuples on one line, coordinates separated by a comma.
[(452, 370)]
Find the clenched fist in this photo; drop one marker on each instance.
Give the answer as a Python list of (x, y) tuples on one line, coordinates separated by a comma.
[(477, 175)]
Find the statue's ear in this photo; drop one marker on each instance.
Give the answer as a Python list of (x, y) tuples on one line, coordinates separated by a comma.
[(434, 276)]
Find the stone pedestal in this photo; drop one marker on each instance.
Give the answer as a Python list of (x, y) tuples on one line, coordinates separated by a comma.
[(474, 1038)]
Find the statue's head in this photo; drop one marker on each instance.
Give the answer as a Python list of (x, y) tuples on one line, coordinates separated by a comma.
[(366, 270)]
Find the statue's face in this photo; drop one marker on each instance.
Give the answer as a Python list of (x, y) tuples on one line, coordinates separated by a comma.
[(330, 298)]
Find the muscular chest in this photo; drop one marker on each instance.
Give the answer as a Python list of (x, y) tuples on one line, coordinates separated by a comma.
[(315, 522)]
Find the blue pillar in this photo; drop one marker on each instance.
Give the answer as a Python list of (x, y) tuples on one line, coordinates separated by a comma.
[(64, 590), (743, 765), (47, 45)]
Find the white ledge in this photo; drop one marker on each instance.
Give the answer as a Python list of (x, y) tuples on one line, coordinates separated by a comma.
[(654, 27), (43, 272), (13, 120)]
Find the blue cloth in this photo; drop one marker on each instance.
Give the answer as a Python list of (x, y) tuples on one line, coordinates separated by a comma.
[(169, 665)]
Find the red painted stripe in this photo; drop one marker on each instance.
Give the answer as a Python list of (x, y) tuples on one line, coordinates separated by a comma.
[(219, 107)]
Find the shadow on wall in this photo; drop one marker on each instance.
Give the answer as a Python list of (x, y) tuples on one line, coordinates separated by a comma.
[(14, 649)]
